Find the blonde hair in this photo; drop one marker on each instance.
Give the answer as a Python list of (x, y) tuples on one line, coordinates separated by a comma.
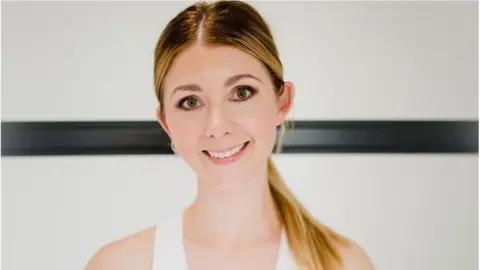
[(238, 24)]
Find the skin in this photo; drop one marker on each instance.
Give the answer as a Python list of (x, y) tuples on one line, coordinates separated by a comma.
[(232, 221)]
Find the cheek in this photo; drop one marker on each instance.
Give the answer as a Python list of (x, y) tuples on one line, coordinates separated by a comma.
[(184, 132), (260, 121)]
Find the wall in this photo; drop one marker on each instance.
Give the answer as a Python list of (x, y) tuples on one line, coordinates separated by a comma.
[(88, 61), (378, 60)]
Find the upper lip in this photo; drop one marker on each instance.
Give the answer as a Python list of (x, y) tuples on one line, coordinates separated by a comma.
[(226, 149)]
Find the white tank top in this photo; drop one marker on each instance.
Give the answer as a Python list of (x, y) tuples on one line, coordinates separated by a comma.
[(169, 250)]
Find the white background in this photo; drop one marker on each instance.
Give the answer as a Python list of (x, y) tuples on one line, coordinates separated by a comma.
[(352, 60)]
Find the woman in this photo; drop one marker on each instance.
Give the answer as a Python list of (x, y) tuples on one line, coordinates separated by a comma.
[(218, 79)]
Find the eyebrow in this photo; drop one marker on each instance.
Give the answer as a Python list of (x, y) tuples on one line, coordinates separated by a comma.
[(196, 88)]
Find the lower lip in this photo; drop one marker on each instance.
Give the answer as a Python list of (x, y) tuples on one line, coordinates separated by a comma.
[(230, 159)]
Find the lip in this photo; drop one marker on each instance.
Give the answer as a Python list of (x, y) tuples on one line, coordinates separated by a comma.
[(228, 160), (226, 149)]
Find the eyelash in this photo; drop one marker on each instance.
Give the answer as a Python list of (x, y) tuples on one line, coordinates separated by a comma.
[(252, 91)]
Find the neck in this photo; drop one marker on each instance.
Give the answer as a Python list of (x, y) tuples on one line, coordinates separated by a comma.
[(231, 218)]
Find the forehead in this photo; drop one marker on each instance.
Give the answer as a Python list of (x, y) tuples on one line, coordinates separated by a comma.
[(201, 64)]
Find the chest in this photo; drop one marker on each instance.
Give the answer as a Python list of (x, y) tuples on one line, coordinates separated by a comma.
[(261, 258)]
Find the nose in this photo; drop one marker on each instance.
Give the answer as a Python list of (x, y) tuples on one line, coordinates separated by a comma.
[(218, 123)]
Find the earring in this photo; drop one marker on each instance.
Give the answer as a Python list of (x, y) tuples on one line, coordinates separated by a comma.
[(173, 147), (282, 129), (280, 138)]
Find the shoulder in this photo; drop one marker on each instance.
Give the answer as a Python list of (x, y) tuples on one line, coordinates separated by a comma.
[(132, 252), (354, 257)]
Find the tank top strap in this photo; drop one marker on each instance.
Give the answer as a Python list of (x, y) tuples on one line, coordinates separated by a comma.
[(169, 253), (285, 259)]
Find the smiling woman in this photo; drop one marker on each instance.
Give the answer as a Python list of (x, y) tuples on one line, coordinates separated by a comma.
[(224, 106), (221, 93)]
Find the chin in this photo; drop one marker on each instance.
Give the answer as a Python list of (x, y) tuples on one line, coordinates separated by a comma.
[(229, 182)]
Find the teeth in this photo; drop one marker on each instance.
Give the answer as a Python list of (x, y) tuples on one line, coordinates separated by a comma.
[(227, 153)]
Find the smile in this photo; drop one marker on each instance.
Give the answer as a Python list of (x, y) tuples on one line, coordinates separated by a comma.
[(226, 157)]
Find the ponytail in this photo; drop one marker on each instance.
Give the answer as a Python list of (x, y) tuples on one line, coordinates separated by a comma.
[(312, 243)]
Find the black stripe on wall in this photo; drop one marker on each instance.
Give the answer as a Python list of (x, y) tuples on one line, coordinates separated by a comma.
[(120, 138)]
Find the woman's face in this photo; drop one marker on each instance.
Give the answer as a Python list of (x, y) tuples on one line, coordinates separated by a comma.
[(221, 111)]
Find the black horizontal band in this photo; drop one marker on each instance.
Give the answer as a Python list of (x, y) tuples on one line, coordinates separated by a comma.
[(147, 137)]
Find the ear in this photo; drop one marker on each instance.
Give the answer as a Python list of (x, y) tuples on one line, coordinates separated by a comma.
[(161, 121), (285, 101)]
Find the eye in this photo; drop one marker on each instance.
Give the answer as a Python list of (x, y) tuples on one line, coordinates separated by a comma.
[(244, 92), (188, 103)]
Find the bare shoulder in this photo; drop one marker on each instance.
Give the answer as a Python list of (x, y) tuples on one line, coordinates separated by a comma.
[(354, 257), (132, 252)]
